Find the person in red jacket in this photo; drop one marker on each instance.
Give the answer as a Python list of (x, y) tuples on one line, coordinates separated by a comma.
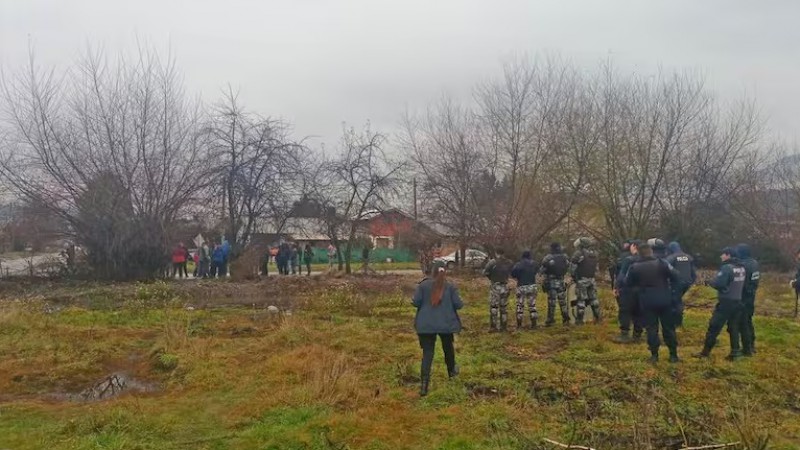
[(178, 260)]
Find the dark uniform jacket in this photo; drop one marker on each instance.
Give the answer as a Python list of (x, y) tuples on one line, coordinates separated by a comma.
[(624, 267), (684, 264), (555, 266), (729, 281), (584, 263), (752, 278), (613, 271), (525, 272), (498, 270), (651, 277)]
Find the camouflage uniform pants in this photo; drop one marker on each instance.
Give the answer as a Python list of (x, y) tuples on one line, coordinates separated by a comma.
[(586, 293), (498, 305), (526, 294), (556, 290)]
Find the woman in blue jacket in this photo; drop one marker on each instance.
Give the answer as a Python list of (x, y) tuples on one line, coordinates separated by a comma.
[(437, 303)]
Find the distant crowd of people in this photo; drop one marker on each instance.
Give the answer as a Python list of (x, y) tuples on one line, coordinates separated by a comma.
[(289, 258), (210, 260)]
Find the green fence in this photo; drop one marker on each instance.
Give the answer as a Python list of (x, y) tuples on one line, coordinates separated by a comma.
[(375, 255)]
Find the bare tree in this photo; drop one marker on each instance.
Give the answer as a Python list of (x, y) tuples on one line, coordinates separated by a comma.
[(524, 118), (445, 148), (122, 126), (260, 169), (356, 181)]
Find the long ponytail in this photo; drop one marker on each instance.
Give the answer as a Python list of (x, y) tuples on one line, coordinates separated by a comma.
[(438, 286)]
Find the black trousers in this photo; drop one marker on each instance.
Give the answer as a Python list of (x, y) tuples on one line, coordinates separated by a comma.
[(428, 344), (746, 329), (678, 291), (726, 312), (177, 270), (665, 317), (629, 312)]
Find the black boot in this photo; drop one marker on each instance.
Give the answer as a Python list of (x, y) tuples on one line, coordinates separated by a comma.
[(705, 353), (534, 321), (623, 338), (519, 323), (653, 356), (423, 388), (637, 336), (673, 356), (453, 373), (551, 318)]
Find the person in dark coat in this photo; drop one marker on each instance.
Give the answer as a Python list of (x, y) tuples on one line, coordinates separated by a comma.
[(629, 312), (614, 267), (752, 278), (554, 266), (684, 264), (437, 302), (308, 255), (729, 284), (651, 277), (525, 272)]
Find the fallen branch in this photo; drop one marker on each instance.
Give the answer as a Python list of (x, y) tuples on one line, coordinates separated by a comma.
[(559, 444), (712, 447)]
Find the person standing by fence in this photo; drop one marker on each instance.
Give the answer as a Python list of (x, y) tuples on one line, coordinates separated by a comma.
[(308, 255), (331, 256)]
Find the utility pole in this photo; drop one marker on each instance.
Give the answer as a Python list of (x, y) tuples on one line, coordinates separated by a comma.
[(415, 198)]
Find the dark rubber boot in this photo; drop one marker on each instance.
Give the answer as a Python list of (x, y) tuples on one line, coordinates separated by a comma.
[(653, 357), (423, 388), (705, 353), (623, 338), (453, 373)]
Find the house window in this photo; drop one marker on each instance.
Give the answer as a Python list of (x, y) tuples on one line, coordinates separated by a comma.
[(383, 242)]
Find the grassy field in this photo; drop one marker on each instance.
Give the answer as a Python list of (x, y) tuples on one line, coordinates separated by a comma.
[(338, 368)]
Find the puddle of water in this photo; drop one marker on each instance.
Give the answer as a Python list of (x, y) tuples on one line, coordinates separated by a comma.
[(110, 387)]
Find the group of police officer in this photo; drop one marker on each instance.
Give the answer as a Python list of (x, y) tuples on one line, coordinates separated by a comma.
[(553, 268), (649, 281)]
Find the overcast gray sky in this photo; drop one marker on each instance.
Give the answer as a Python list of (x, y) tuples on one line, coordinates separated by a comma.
[(321, 62)]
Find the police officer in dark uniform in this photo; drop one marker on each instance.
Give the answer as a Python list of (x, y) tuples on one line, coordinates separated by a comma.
[(498, 271), (627, 301), (752, 277), (684, 264), (584, 268), (729, 284), (652, 277), (613, 269), (525, 272), (554, 266)]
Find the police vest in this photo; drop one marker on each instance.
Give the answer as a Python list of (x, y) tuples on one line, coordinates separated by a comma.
[(501, 270), (683, 264), (735, 289), (587, 266), (556, 265), (651, 272), (753, 277)]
